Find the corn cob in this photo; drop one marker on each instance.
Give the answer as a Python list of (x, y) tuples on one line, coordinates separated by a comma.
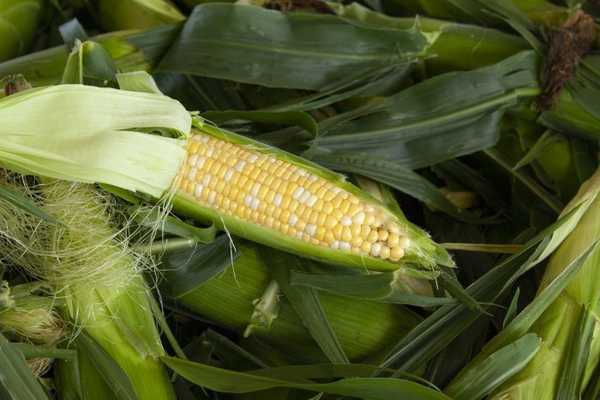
[(248, 188)]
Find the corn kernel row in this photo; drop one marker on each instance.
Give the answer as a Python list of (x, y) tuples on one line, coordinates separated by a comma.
[(259, 188)]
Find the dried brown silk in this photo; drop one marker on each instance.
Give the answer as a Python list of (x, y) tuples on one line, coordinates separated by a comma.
[(567, 46)]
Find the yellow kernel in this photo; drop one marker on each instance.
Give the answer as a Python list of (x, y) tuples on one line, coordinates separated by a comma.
[(269, 181), (270, 196), (262, 206), (353, 209), (393, 240), (369, 219), (270, 209), (262, 176), (243, 181), (364, 231), (285, 216), (382, 235), (385, 252), (269, 221), (220, 186), (312, 217), (293, 206), (321, 217), (356, 241), (330, 222), (396, 253), (285, 229), (277, 213), (300, 209), (337, 231), (337, 214), (208, 164), (262, 193), (372, 236), (285, 202), (355, 229), (300, 225), (346, 234), (393, 228), (314, 241), (261, 219), (320, 234), (344, 206), (327, 208), (329, 237), (336, 203), (366, 247)]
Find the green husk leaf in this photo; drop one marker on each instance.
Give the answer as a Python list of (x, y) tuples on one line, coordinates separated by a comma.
[(293, 50), (496, 369), (188, 268), (96, 126), (89, 63), (511, 312), (386, 287), (307, 305), (237, 382), (16, 378), (110, 371)]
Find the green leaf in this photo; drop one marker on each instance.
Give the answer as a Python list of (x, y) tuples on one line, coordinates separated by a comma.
[(306, 303), (174, 226), (18, 24), (387, 287), (187, 268), (15, 376), (435, 332), (512, 309), (495, 369), (441, 118), (110, 371), (291, 118), (293, 50), (237, 382), (24, 203), (89, 63)]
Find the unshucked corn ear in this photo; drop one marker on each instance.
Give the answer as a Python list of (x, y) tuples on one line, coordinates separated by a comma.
[(364, 329), (97, 279), (245, 187)]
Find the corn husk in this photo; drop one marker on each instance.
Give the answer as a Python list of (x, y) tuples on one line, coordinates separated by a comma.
[(19, 21)]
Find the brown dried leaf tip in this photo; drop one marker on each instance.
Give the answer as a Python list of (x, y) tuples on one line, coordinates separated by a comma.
[(14, 84), (567, 46), (293, 5)]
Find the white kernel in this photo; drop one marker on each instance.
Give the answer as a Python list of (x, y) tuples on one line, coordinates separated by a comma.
[(293, 220), (240, 165), (312, 201), (228, 174), (192, 174), (210, 151), (200, 162), (255, 203), (345, 246), (206, 179), (375, 249), (312, 178), (304, 197), (311, 229), (198, 190), (252, 158), (211, 197), (298, 192), (300, 172), (193, 159), (248, 200), (335, 245), (359, 218), (255, 189), (299, 235), (346, 220), (335, 189), (203, 138), (277, 199)]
